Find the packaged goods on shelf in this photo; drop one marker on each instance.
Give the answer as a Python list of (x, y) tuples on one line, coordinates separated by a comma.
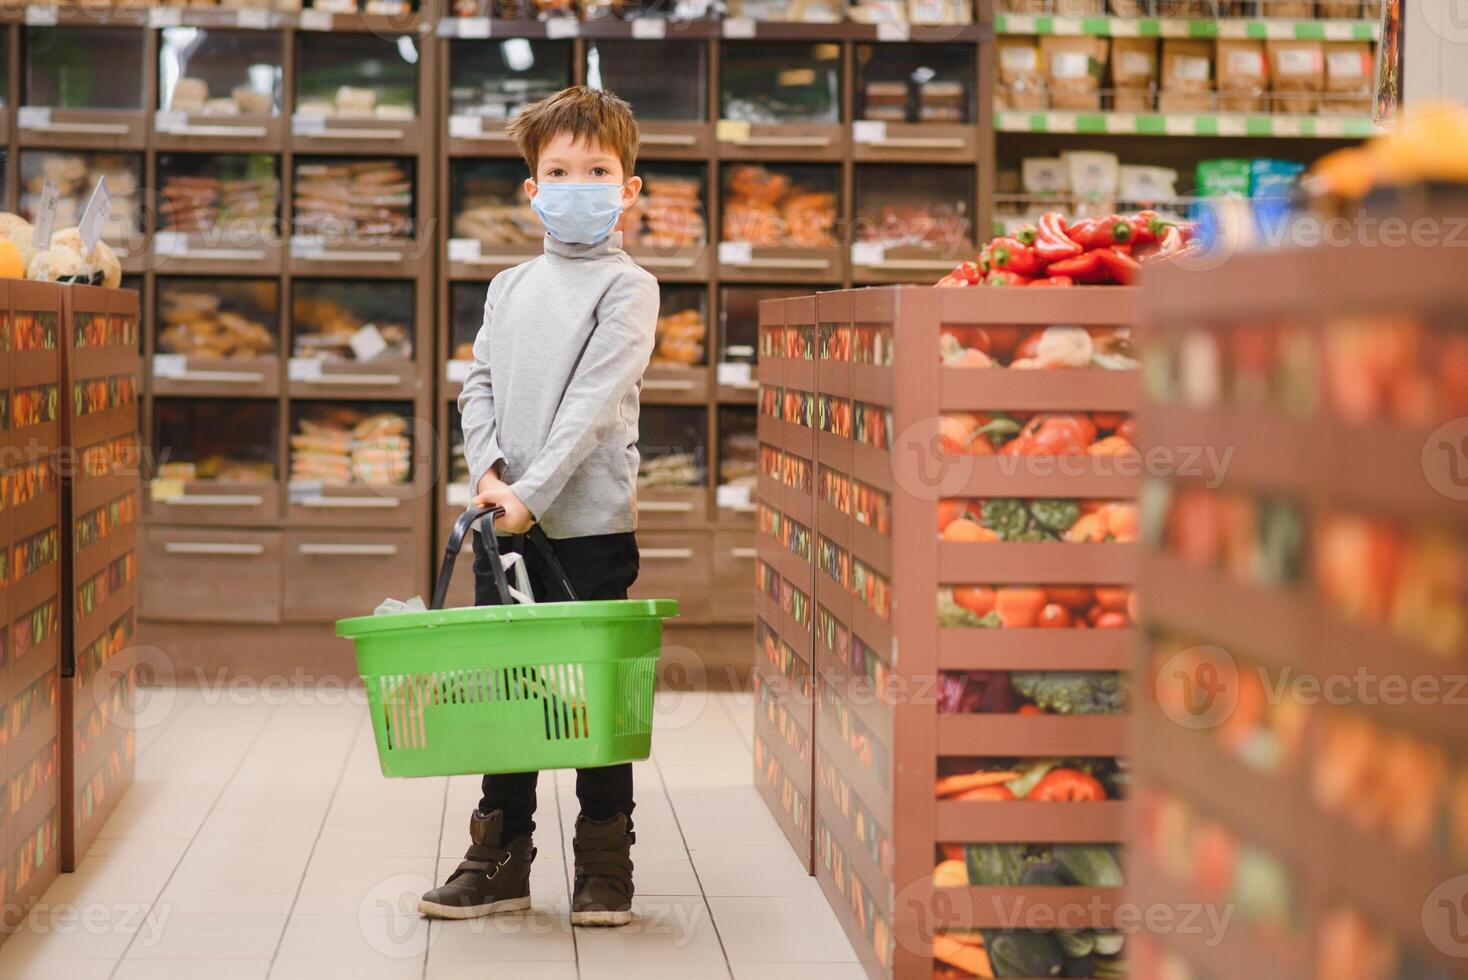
[(1348, 78), (213, 72), (797, 11), (668, 214), (1073, 67), (227, 193), (361, 198), (1134, 73), (738, 447), (340, 445), (784, 82), (496, 81), (1187, 76), (329, 318), (1243, 75), (332, 68), (1296, 75), (1021, 77), (672, 441), (221, 439), (216, 318), (1093, 176), (903, 207), (773, 207)]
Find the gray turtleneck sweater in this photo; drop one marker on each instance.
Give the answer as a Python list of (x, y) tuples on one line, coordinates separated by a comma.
[(553, 394)]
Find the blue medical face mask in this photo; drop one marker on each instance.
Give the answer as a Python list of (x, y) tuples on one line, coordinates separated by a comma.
[(581, 214)]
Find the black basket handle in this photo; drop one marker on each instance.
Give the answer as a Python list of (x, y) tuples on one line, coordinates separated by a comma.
[(502, 585)]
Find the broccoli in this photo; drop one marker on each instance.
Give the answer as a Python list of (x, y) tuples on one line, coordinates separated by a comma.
[(1056, 514), (1006, 516), (1072, 692)]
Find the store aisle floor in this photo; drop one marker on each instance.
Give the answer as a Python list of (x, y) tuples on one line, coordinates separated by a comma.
[(260, 840)]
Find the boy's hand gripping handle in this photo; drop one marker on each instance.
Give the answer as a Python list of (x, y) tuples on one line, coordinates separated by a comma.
[(502, 585)]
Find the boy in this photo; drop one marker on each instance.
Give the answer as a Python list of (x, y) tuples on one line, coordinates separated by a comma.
[(550, 414)]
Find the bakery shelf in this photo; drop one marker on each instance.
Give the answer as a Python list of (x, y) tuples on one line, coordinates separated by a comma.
[(217, 90), (216, 336), (1184, 124), (1259, 29)]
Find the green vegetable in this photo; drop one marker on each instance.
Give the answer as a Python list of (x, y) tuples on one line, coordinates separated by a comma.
[(1046, 874), (1065, 692), (1023, 954), (1281, 543), (951, 614), (1006, 516), (1078, 967), (1033, 773), (1075, 944), (1057, 515), (1035, 533), (1094, 865), (995, 864), (1109, 943), (999, 429)]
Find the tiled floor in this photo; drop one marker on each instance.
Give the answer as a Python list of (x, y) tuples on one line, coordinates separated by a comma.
[(260, 840)]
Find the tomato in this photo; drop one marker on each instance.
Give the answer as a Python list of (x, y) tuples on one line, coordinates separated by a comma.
[(977, 599), (1029, 709), (1019, 607), (1107, 421), (1133, 609), (1112, 598), (950, 511), (1073, 597), (1067, 786), (1128, 430), (1112, 621), (1054, 616)]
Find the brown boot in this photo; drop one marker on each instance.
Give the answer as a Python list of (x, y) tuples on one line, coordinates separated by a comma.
[(603, 895), (492, 878)]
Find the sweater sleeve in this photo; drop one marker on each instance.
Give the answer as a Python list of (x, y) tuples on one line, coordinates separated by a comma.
[(476, 404), (616, 357)]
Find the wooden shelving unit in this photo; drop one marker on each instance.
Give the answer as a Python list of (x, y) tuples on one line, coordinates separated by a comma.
[(849, 738)]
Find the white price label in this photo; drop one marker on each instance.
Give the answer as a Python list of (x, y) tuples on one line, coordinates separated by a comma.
[(457, 372), (302, 125), (471, 28), (252, 19), (367, 343), (164, 17), (739, 28), (306, 489), (315, 20), (463, 249), (45, 215), (170, 243), (33, 117), (734, 375), (305, 246), (169, 365), (889, 30), (869, 131), (731, 496), (558, 28), (649, 28), (457, 494), (464, 127), (170, 120), (40, 16), (304, 368), (95, 216), (868, 253), (735, 253)]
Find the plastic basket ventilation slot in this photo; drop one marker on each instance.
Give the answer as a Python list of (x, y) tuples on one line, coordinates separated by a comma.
[(635, 683), (560, 688)]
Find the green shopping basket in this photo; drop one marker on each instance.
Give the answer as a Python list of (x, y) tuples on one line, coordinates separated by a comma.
[(509, 688)]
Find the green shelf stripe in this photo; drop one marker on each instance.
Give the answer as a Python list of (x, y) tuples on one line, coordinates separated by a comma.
[(1308, 31), (1206, 126), (1185, 125), (1203, 29), (1259, 126), (1151, 124), (1252, 29), (1091, 122)]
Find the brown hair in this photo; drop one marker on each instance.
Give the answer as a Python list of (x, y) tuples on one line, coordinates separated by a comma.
[(586, 113)]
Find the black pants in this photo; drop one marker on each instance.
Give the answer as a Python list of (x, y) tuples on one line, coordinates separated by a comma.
[(600, 566)]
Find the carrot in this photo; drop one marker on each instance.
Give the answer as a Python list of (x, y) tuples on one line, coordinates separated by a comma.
[(971, 959), (949, 785), (1089, 527), (991, 794), (1019, 608), (968, 531)]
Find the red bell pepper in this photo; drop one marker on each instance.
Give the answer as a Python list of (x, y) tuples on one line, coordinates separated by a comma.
[(1080, 268), (1119, 264), (1013, 255), (1003, 277), (1054, 281), (1099, 232), (1146, 227), (1067, 786), (1051, 241), (1026, 234)]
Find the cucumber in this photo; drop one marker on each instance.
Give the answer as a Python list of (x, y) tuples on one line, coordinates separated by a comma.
[(1090, 864), (1079, 966), (1109, 943), (1046, 873), (995, 864), (1076, 944), (1023, 954)]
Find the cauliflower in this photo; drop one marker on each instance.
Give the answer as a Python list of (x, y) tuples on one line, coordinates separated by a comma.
[(1066, 347)]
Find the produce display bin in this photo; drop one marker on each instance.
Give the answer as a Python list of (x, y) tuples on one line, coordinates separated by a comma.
[(1313, 587), (858, 751), (31, 597), (102, 379)]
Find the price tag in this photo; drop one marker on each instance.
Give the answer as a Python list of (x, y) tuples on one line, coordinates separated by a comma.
[(457, 494), (868, 253), (315, 20), (649, 28), (731, 496), (170, 243), (170, 120), (558, 28), (95, 216), (306, 246), (464, 127), (40, 16), (739, 28), (253, 19), (45, 215), (731, 130), (165, 490), (463, 250), (305, 489), (367, 343), (869, 131), (457, 372), (164, 17), (169, 365), (738, 350), (307, 125), (33, 116), (734, 375), (735, 253), (889, 30), (304, 368), (472, 28)]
